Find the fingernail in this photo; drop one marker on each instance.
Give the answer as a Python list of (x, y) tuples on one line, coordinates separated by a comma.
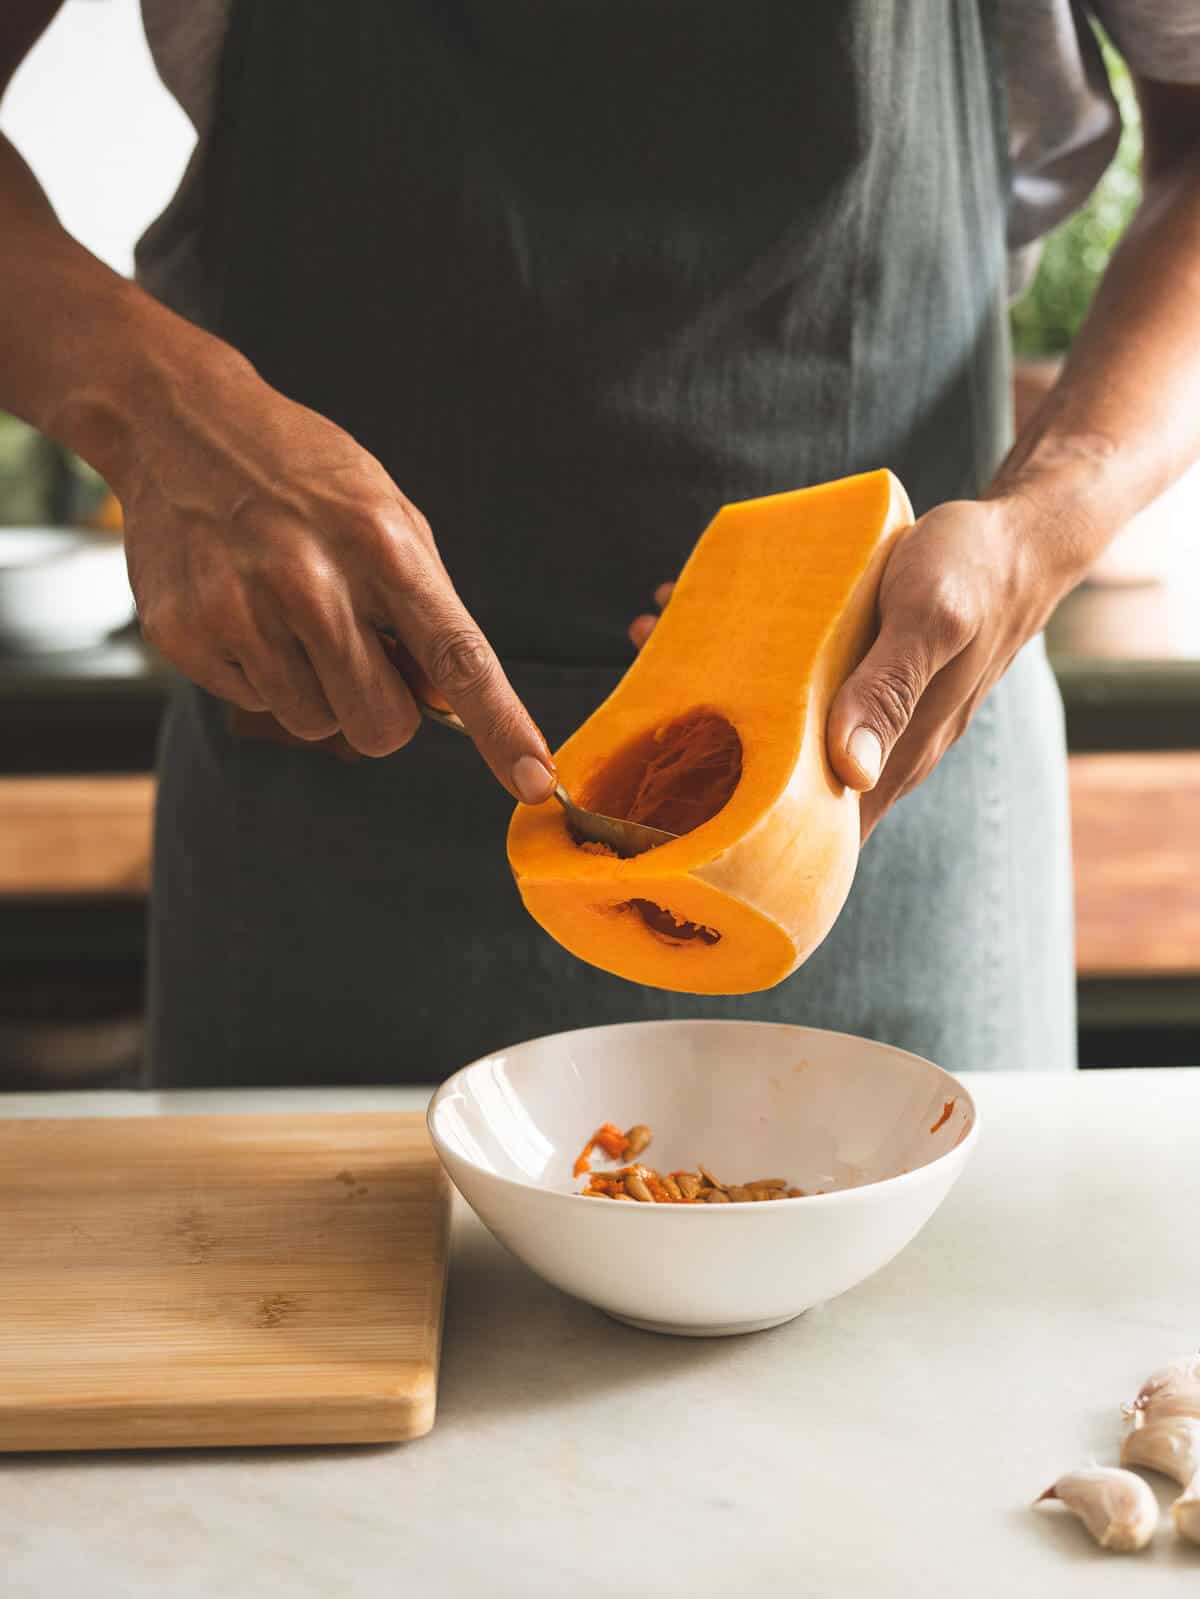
[(532, 781), (865, 750)]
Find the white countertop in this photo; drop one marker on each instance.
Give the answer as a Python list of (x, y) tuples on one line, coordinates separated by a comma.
[(886, 1445)]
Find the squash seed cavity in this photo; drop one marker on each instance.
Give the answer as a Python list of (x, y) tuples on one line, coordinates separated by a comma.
[(675, 777), (671, 929)]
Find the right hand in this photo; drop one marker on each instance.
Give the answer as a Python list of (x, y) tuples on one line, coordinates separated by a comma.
[(268, 553)]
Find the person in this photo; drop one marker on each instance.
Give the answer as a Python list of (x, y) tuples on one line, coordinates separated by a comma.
[(464, 322)]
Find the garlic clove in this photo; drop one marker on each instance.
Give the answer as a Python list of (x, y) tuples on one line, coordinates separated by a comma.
[(1173, 1390), (1164, 1436), (1171, 1446), (1186, 1512), (1117, 1508)]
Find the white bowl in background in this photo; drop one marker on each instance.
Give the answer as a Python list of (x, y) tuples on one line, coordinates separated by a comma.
[(862, 1121), (61, 588)]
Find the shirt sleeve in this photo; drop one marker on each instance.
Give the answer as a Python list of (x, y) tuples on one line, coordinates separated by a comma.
[(1158, 38)]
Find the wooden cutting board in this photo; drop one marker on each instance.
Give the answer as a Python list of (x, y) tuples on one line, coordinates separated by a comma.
[(195, 1280)]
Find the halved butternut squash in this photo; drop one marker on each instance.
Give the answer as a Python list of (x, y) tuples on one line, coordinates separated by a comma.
[(717, 733)]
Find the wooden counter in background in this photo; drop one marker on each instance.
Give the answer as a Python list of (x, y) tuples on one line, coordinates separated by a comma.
[(75, 836), (1136, 829)]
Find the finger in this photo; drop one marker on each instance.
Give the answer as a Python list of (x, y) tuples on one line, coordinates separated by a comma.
[(277, 665), (225, 679), (450, 648), (215, 670), (400, 659), (640, 630), (877, 702), (641, 627), (370, 700), (263, 727), (236, 687), (283, 675)]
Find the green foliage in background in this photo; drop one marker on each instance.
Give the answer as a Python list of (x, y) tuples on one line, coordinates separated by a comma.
[(1047, 318)]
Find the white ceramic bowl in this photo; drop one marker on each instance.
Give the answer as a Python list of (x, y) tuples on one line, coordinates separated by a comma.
[(748, 1099), (61, 589)]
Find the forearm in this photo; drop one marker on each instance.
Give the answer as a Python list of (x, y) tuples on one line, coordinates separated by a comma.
[(269, 554), (1123, 420), (85, 355)]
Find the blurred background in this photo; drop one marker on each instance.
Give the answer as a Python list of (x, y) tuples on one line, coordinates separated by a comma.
[(81, 698)]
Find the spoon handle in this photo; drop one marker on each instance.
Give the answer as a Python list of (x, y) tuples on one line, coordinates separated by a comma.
[(446, 718)]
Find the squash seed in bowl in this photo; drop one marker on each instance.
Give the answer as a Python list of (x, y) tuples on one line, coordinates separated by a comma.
[(643, 1184)]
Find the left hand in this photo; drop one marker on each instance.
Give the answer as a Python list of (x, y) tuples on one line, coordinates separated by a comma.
[(963, 590)]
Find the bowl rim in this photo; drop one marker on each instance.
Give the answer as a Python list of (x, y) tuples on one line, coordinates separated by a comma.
[(960, 1150)]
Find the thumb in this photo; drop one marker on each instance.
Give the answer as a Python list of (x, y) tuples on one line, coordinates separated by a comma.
[(876, 703), (462, 674)]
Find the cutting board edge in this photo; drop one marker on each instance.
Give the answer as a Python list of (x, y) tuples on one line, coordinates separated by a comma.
[(373, 1419), (53, 1423)]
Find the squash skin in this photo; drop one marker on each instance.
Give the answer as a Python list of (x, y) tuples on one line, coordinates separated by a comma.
[(774, 609)]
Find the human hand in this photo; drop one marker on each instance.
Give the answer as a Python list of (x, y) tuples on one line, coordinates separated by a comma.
[(963, 590), (273, 560)]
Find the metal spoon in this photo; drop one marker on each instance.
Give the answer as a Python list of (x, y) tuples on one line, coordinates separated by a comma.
[(624, 838)]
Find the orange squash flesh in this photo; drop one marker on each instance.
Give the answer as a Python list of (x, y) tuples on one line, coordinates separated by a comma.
[(717, 731)]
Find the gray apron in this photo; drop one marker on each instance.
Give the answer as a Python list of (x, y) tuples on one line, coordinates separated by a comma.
[(578, 275)]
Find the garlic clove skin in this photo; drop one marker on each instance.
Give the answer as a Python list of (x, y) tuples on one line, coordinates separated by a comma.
[(1171, 1445), (1117, 1508), (1174, 1390), (1186, 1512), (1165, 1436)]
